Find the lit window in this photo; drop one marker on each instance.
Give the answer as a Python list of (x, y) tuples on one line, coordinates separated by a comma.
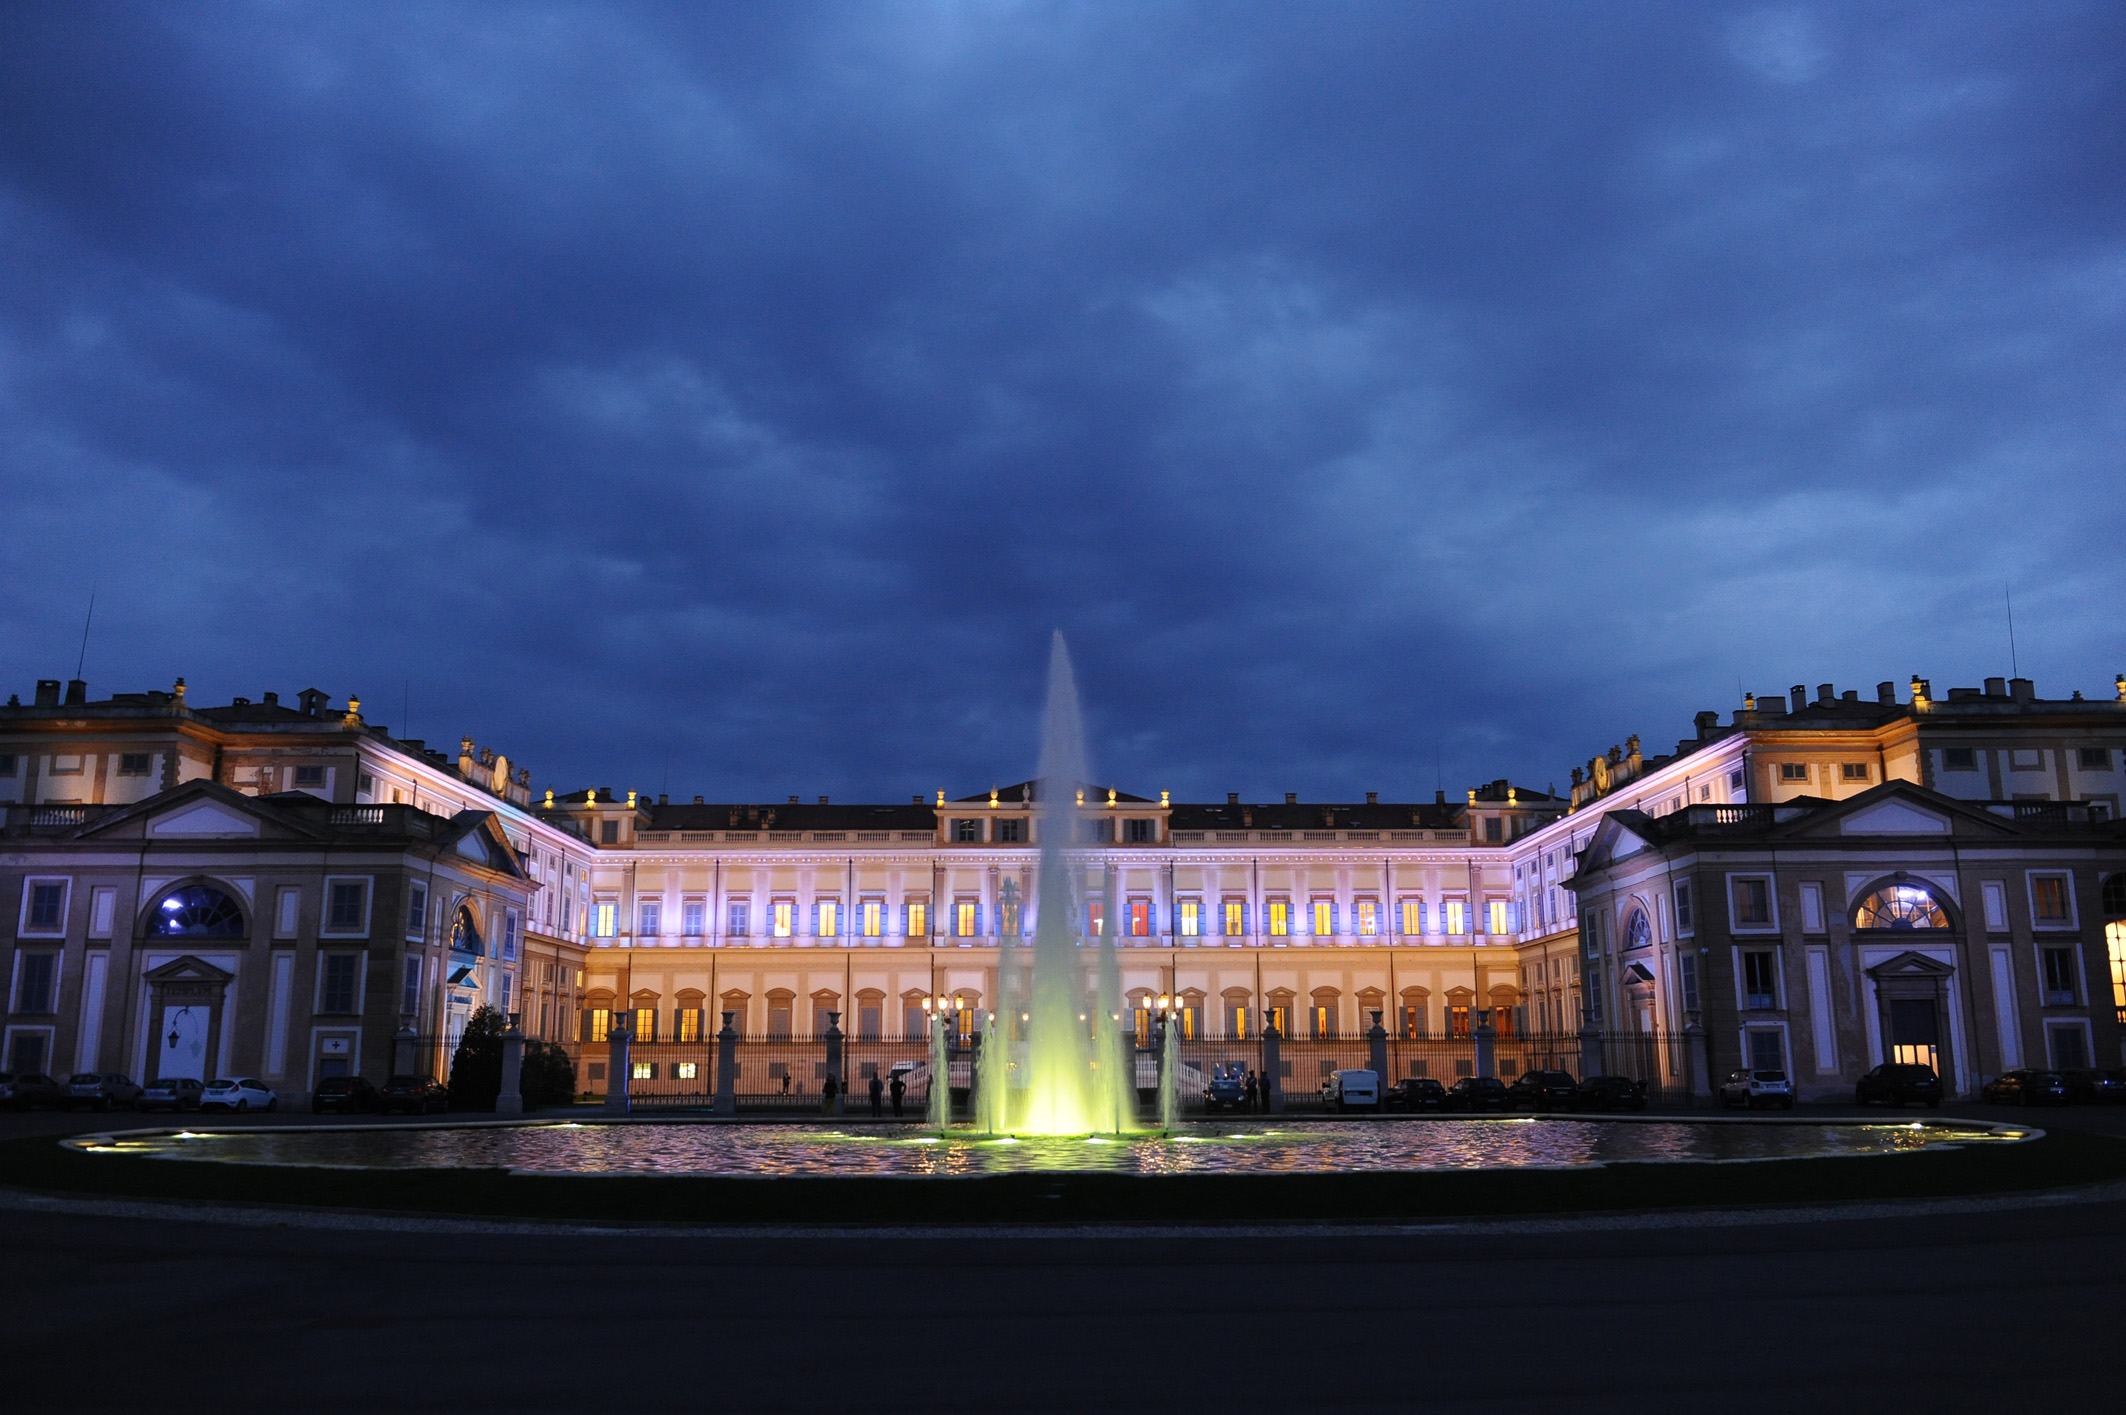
[(1191, 918), (1457, 917), (1368, 917), (1501, 921), (1280, 918), (874, 918), (1324, 917), (607, 917), (686, 1070), (1901, 906), (966, 913), (829, 919), (1095, 917), (2115, 945), (784, 913), (689, 1028), (1235, 918), (2048, 898), (601, 1023), (643, 1070), (1413, 917), (1458, 1022), (918, 918), (645, 1024), (1140, 917)]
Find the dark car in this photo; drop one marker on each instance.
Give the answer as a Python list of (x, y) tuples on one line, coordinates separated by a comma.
[(100, 1090), (179, 1093), (345, 1094), (1228, 1087), (2095, 1087), (1541, 1090), (2027, 1087), (1474, 1093), (1896, 1083), (30, 1088), (416, 1095), (1608, 1093), (1414, 1094)]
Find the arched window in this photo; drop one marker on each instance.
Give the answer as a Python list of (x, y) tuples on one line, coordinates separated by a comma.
[(465, 933), (1900, 906), (197, 911), (2115, 896), (1638, 930)]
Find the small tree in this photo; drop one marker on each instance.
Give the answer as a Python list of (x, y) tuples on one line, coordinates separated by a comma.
[(549, 1075), (476, 1068)]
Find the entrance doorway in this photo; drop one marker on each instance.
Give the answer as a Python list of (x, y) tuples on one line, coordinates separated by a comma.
[(1915, 1033)]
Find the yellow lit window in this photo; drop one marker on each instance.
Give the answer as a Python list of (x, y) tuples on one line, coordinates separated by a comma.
[(687, 1070), (1188, 1024), (2115, 942), (1191, 918), (829, 918), (1413, 917), (1499, 922), (1280, 918), (1368, 917), (605, 920), (690, 1024), (645, 1024), (966, 912), (1324, 917), (1236, 1023), (1278, 1017), (643, 1070), (1457, 917), (784, 912), (918, 918), (1235, 913), (601, 1024), (874, 915)]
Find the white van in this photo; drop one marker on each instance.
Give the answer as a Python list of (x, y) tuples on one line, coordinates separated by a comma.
[(1351, 1090)]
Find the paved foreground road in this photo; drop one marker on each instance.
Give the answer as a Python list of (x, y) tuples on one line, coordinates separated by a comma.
[(1972, 1311)]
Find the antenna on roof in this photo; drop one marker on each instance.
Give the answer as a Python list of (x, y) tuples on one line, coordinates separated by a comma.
[(85, 634), (1439, 780), (2014, 670)]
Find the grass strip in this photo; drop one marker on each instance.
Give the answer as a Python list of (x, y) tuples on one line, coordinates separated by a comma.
[(2059, 1159)]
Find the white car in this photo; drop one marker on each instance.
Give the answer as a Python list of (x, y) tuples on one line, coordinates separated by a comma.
[(239, 1095), (1751, 1089)]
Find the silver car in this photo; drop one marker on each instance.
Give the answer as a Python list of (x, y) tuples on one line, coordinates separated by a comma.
[(170, 1093), (100, 1090)]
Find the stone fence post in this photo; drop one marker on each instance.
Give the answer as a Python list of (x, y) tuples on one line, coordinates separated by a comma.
[(1377, 1054), (834, 1059), (727, 1066), (1272, 1071), (1484, 1036), (616, 1070), (510, 1099)]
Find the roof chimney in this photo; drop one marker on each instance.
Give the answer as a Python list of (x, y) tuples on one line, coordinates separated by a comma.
[(271, 699), (1886, 692), (1996, 687), (2022, 690), (1799, 695), (1826, 693), (1232, 798), (47, 692), (1373, 798), (1706, 722), (1291, 798), (77, 692), (793, 800)]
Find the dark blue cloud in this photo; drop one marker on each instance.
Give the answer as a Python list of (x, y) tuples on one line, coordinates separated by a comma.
[(740, 394)]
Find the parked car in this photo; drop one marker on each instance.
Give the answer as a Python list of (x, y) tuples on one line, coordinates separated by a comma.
[(416, 1095), (241, 1094), (30, 1088), (1228, 1086), (1896, 1082), (1751, 1089), (170, 1093), (1541, 1090), (1415, 1093), (2026, 1086), (100, 1090), (1608, 1093), (2095, 1087), (1351, 1090), (344, 1094), (1475, 1093)]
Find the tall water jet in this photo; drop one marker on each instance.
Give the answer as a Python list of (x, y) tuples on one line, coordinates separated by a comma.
[(940, 1071)]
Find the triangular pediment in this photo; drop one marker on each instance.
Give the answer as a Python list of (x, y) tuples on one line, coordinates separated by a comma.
[(186, 970), (479, 837), (1910, 965), (473, 846), (1894, 817), (203, 818), (1618, 837)]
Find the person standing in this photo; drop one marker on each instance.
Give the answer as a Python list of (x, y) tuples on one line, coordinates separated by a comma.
[(900, 1088), (1251, 1091), (878, 1091), (827, 1091)]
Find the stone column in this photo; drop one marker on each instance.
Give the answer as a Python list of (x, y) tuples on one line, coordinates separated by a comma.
[(1697, 1079), (834, 1060), (1484, 1036), (616, 1069), (510, 1100), (1590, 1051), (1377, 1051), (727, 1066), (1272, 1071)]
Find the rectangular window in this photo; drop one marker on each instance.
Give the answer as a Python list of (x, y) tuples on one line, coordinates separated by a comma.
[(609, 832), (1011, 831), (1095, 918), (1853, 771), (967, 832), (828, 923), (1735, 782), (874, 917), (34, 993), (686, 1070), (349, 899), (966, 918), (1457, 917), (1458, 1022), (689, 1024), (693, 916), (645, 1024), (1280, 918), (2048, 898), (649, 917), (2115, 946), (336, 991), (1413, 917), (1591, 996), (1236, 1022), (47, 907), (416, 909), (1683, 918), (1753, 901), (1324, 918), (605, 918), (1766, 1053), (1493, 830), (599, 1021), (133, 763), (642, 1070), (2059, 976), (410, 987), (1235, 918), (2096, 758), (737, 921), (1500, 923), (1368, 917), (783, 918), (509, 935), (1140, 832), (366, 784), (309, 776), (918, 918), (1140, 918), (1793, 771), (1959, 759), (1191, 918), (1759, 981), (1687, 975)]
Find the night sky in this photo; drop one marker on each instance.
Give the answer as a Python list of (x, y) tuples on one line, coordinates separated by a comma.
[(731, 399)]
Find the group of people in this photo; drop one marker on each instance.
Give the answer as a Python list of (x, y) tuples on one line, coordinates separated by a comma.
[(1257, 1090)]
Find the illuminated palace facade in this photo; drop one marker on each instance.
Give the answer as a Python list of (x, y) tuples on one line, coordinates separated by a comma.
[(1822, 882)]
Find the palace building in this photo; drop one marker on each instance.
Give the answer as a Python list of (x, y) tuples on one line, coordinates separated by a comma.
[(286, 891)]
